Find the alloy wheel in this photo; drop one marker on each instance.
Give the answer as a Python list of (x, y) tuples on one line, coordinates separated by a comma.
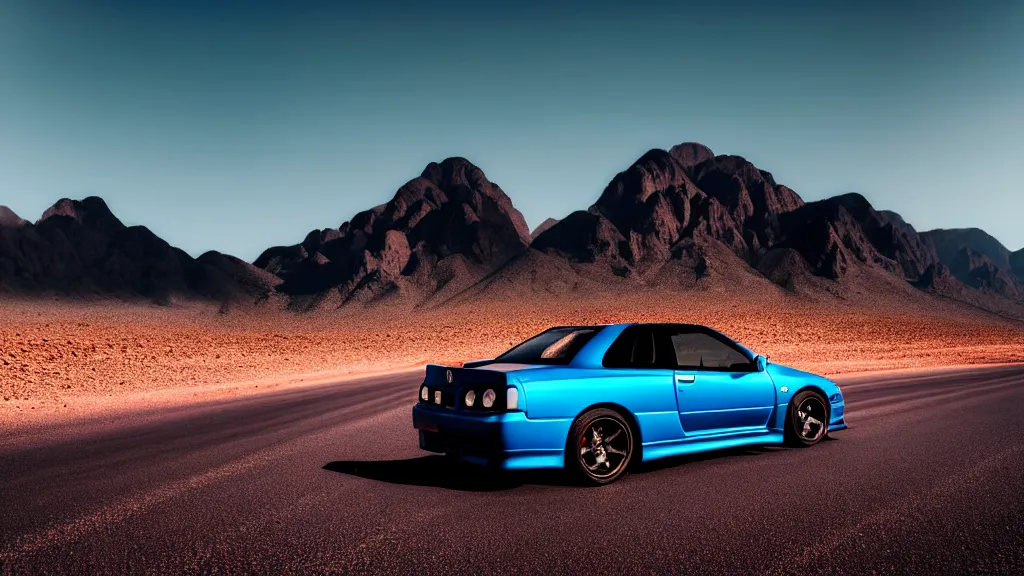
[(604, 447), (811, 419)]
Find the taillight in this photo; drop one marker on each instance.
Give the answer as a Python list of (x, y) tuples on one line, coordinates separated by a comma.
[(512, 398)]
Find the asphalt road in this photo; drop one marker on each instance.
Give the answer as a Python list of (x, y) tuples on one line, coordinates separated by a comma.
[(929, 479)]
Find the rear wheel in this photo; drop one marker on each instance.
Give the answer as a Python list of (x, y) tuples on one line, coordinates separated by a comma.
[(806, 419), (600, 446)]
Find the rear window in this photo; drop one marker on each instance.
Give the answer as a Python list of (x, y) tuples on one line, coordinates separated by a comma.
[(554, 346)]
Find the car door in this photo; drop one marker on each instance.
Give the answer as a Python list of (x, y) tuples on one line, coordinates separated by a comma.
[(643, 380), (718, 387)]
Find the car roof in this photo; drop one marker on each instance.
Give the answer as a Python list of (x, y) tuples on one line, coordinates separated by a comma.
[(627, 324), (682, 324), (592, 353)]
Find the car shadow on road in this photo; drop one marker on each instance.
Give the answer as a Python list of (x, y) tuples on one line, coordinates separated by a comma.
[(441, 472)]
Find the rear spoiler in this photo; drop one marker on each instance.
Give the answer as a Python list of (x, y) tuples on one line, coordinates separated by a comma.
[(445, 376)]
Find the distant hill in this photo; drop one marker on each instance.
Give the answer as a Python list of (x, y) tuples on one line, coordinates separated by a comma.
[(79, 248), (979, 260), (543, 227), (949, 243)]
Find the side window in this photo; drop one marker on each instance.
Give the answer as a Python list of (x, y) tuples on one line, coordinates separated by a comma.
[(700, 351), (634, 348)]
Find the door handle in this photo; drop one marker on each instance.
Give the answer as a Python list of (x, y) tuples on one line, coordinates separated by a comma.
[(685, 379)]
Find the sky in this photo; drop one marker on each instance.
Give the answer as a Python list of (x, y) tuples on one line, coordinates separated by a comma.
[(236, 126)]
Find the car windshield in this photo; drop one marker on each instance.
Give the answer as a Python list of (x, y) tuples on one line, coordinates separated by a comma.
[(554, 346)]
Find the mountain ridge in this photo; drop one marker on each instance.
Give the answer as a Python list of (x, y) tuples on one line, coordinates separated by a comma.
[(79, 248), (677, 219)]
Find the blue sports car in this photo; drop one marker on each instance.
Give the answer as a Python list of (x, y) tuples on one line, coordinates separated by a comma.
[(594, 399)]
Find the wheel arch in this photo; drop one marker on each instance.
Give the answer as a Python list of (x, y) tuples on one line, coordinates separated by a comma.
[(626, 413), (817, 390)]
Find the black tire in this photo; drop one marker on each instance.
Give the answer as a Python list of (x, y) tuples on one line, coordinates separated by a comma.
[(600, 447), (806, 419)]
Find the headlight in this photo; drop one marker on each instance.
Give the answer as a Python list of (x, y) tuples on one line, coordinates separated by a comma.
[(470, 398), (512, 399), (424, 395), (489, 398)]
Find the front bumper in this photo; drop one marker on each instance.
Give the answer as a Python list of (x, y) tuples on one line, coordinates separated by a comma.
[(509, 440), (837, 413)]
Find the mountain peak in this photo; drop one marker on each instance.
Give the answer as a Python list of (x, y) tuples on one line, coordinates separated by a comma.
[(444, 229), (548, 223), (689, 154), (92, 212), (456, 173), (453, 171), (8, 219)]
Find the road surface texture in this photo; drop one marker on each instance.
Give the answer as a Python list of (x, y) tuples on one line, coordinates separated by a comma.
[(929, 479)]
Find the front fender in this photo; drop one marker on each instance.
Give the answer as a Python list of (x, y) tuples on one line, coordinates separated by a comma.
[(790, 382)]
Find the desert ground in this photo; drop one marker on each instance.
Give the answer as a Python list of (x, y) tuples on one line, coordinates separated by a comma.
[(70, 359)]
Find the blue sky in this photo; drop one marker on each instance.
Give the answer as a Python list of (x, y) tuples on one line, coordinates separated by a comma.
[(237, 126)]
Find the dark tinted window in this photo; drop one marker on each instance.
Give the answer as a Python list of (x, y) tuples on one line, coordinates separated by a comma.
[(554, 346), (698, 350), (634, 348)]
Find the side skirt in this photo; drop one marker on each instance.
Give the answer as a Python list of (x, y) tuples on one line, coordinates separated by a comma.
[(679, 447)]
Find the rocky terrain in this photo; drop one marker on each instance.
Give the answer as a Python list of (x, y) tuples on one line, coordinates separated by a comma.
[(61, 359)]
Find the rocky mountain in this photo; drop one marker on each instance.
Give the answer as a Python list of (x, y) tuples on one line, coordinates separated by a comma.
[(978, 270), (979, 260), (79, 248), (8, 219), (950, 242), (674, 220), (670, 204), (442, 231), (832, 234), (686, 205)]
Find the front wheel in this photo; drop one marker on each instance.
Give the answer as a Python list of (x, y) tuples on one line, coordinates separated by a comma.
[(600, 447), (806, 419)]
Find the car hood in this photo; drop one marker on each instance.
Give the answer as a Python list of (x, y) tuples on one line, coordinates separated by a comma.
[(788, 372), (793, 378)]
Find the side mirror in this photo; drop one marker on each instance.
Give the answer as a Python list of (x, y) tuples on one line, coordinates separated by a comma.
[(761, 362)]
